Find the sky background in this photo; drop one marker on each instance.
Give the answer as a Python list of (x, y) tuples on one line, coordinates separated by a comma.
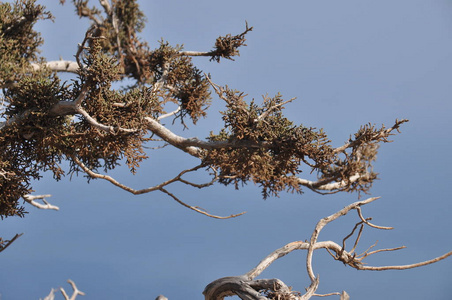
[(348, 63)]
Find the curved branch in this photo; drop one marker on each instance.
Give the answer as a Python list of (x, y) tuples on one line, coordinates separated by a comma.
[(197, 209), (106, 128), (113, 181), (370, 224), (159, 187)]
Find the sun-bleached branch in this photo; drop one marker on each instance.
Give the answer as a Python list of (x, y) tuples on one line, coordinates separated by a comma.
[(32, 200), (75, 292), (195, 53), (406, 267), (240, 285), (106, 128), (67, 66), (326, 185), (169, 114)]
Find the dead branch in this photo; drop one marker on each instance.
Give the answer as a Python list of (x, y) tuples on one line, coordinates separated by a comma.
[(240, 285), (75, 293), (31, 200), (58, 66), (197, 209), (370, 224), (5, 244), (159, 187), (110, 179)]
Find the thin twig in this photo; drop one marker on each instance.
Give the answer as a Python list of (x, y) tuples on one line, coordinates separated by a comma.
[(203, 212), (31, 200), (9, 242), (370, 224)]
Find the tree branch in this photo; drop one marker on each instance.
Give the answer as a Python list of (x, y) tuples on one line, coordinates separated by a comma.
[(197, 209), (380, 135), (5, 244), (31, 200), (159, 187), (58, 66), (227, 286)]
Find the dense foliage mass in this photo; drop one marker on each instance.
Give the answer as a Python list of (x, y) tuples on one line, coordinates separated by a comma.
[(96, 127)]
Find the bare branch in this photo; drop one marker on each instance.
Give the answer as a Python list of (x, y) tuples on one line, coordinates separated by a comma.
[(169, 114), (106, 128), (366, 253), (197, 209), (370, 224), (327, 295), (5, 244), (195, 53), (31, 200), (58, 66), (405, 267), (75, 293), (93, 174), (326, 184), (159, 187)]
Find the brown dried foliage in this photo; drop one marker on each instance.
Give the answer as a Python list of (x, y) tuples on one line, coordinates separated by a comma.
[(228, 46), (187, 86), (276, 145), (109, 124)]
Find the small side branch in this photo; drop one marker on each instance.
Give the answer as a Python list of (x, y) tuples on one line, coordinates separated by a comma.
[(106, 128), (159, 187), (198, 209), (75, 293), (32, 200), (326, 184), (113, 181), (7, 243), (406, 267), (379, 135)]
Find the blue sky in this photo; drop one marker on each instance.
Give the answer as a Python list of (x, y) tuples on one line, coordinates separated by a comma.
[(348, 63)]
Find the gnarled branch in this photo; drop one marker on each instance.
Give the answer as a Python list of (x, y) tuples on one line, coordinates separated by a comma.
[(240, 285)]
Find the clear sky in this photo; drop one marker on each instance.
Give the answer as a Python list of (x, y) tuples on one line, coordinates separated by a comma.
[(348, 62)]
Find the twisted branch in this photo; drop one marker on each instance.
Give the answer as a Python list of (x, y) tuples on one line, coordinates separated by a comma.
[(240, 285)]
